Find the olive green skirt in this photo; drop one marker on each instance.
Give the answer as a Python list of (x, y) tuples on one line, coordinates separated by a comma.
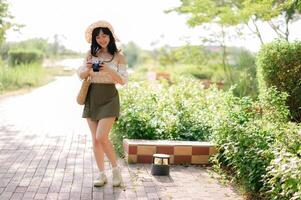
[(102, 102)]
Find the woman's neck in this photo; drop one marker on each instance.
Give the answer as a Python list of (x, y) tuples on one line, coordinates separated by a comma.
[(104, 54), (104, 50)]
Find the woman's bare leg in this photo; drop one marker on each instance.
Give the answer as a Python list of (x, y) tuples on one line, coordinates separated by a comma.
[(102, 136), (97, 148)]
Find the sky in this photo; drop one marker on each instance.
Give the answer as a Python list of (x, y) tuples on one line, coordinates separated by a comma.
[(141, 21)]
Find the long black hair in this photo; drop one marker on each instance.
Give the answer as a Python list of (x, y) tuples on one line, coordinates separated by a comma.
[(112, 48)]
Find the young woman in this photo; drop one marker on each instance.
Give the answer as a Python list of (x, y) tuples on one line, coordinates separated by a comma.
[(106, 66)]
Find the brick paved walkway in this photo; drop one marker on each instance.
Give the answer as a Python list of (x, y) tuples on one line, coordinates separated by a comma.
[(45, 153)]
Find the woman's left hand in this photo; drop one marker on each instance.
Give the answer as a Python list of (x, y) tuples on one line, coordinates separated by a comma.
[(105, 68)]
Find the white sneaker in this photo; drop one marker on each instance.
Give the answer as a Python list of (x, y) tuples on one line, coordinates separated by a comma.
[(117, 179), (101, 180)]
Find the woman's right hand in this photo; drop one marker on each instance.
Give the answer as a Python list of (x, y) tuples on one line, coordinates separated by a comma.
[(89, 67), (89, 64)]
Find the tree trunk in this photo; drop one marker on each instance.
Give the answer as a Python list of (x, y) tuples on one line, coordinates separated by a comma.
[(224, 55)]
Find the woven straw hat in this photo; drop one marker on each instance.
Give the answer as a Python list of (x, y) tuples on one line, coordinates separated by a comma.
[(97, 24)]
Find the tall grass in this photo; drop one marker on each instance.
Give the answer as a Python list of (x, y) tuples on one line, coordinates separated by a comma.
[(22, 76)]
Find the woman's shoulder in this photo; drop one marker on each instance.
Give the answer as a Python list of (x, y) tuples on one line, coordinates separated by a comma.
[(120, 56), (88, 53)]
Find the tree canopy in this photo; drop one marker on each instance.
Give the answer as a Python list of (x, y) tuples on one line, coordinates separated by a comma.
[(277, 13), (5, 19)]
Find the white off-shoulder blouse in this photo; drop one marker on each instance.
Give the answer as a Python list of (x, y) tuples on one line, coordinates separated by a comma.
[(104, 77)]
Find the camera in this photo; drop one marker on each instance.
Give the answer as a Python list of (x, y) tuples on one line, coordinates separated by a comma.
[(96, 66)]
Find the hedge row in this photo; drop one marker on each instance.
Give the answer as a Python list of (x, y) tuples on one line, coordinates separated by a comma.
[(17, 57)]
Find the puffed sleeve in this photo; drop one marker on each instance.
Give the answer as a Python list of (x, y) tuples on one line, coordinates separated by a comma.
[(122, 68), (83, 68)]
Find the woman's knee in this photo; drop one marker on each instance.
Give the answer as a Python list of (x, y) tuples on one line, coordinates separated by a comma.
[(102, 139), (96, 142)]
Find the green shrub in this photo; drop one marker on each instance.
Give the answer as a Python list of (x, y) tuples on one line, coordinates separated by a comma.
[(246, 135), (273, 103), (181, 111), (243, 73), (21, 56), (163, 111), (243, 141), (2, 63), (283, 177), (253, 137), (160, 111), (279, 65)]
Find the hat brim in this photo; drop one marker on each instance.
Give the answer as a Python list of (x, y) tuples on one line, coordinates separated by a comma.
[(104, 24)]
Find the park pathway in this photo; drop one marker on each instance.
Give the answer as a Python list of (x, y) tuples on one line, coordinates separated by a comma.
[(46, 153)]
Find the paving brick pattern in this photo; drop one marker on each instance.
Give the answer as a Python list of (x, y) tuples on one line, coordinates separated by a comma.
[(46, 153)]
